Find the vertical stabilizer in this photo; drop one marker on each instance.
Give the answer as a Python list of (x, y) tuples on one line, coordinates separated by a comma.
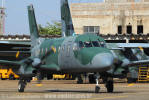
[(67, 25), (33, 25)]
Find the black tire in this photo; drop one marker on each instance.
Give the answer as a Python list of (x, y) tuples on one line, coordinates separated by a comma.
[(21, 86), (129, 80), (3, 78), (92, 79), (49, 76), (73, 77), (11, 77), (79, 81), (97, 89), (109, 86)]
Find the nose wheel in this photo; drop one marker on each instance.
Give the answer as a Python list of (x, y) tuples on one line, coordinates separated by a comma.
[(97, 89), (21, 85)]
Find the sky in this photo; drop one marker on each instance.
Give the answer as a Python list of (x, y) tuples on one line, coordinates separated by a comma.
[(16, 21)]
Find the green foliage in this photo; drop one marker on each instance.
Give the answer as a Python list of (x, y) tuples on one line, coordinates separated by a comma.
[(51, 29)]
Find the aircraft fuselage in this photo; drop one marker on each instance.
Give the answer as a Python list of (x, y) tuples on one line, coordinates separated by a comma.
[(82, 53)]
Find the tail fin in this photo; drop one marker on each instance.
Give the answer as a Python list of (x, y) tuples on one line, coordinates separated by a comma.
[(32, 24), (67, 25)]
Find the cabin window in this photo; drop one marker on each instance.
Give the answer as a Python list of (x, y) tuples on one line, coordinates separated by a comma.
[(91, 29), (95, 44), (68, 49), (59, 48), (88, 44), (63, 48), (46, 50)]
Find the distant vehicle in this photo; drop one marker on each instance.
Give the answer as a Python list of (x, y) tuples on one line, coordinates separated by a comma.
[(62, 77), (8, 74)]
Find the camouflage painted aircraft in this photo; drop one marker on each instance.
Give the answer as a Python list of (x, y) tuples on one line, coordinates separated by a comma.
[(78, 54)]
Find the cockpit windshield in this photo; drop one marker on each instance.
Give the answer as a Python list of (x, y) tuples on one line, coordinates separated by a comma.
[(91, 44), (88, 44), (95, 43), (102, 44)]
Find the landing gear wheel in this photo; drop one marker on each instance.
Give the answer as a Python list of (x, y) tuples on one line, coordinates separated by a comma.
[(109, 86), (11, 77), (79, 81), (97, 89), (92, 79), (21, 86)]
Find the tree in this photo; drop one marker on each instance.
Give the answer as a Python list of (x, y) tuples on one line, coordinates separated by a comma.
[(51, 29)]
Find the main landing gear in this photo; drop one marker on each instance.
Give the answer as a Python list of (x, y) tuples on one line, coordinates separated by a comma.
[(21, 85), (109, 85), (97, 88), (79, 79), (108, 80)]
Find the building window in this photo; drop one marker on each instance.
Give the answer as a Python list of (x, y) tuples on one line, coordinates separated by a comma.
[(139, 29), (91, 29), (129, 29), (119, 29)]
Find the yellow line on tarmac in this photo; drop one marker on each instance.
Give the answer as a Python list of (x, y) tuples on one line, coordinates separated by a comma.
[(112, 97), (132, 84), (39, 85)]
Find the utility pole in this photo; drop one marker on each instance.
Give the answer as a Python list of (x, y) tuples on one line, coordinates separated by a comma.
[(2, 18)]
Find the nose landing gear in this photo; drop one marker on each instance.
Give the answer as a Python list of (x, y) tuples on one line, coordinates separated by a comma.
[(21, 85), (97, 88)]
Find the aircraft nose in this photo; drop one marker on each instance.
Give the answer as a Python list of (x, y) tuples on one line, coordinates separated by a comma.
[(103, 60)]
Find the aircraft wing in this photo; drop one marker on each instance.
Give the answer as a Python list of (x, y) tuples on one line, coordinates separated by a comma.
[(6, 62), (121, 46), (16, 42)]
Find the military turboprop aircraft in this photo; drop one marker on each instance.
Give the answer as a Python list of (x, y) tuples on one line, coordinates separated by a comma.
[(63, 55), (69, 54)]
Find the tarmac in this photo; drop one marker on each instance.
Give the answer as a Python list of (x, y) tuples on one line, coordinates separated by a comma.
[(69, 90)]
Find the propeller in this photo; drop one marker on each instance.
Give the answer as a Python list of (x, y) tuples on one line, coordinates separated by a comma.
[(117, 64), (36, 62)]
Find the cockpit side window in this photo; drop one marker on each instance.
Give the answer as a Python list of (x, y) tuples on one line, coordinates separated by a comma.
[(102, 44), (81, 45), (95, 43), (88, 44)]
